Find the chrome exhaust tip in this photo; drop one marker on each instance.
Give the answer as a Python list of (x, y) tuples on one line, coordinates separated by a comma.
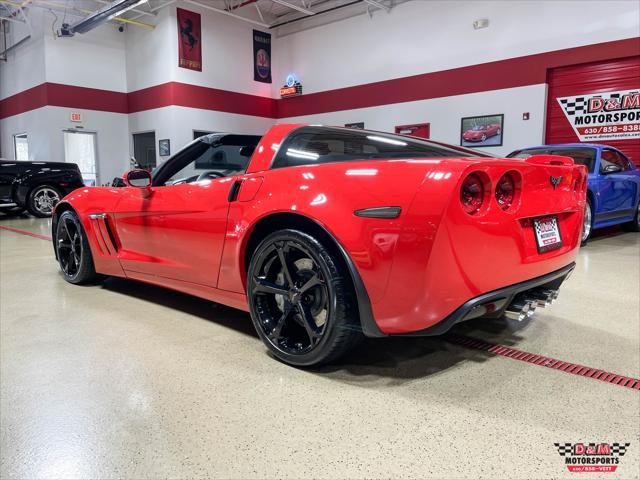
[(544, 298)]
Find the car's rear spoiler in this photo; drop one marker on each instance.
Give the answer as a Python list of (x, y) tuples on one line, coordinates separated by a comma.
[(550, 160)]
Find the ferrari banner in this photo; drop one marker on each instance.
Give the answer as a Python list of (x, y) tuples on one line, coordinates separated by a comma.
[(604, 116), (261, 57), (189, 40)]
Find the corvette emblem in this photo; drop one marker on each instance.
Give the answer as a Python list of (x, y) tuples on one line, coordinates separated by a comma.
[(555, 181)]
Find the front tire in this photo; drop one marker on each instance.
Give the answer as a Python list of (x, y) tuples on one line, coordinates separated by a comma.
[(72, 248), (42, 199), (301, 300), (587, 223)]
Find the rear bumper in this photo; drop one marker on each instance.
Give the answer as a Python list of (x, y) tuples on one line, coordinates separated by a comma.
[(503, 297)]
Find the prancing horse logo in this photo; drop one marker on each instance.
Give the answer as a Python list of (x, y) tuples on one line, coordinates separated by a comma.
[(555, 181)]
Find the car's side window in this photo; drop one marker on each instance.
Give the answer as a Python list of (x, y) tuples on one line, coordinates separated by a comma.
[(210, 163), (316, 145), (611, 157), (205, 161)]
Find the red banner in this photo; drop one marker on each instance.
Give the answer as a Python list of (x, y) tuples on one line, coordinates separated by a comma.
[(189, 40)]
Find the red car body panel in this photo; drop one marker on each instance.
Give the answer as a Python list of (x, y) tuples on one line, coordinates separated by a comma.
[(417, 268)]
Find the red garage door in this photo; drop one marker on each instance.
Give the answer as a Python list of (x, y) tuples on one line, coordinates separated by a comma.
[(600, 77)]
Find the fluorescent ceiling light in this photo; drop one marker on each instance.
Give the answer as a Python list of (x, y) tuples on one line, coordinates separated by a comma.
[(390, 141), (362, 171), (130, 7), (292, 152)]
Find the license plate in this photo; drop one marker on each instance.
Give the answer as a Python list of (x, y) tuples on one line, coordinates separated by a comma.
[(547, 234)]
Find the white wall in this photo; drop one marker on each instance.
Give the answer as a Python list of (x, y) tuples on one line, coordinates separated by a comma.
[(95, 59), (44, 127), (426, 36), (444, 116), (420, 37), (35, 124), (227, 50), (178, 123), (25, 65)]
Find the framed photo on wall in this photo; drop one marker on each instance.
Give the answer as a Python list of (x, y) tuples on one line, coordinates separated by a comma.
[(482, 131), (164, 147)]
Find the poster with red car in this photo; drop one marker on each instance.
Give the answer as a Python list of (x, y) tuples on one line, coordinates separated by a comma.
[(482, 131), (189, 40), (603, 116)]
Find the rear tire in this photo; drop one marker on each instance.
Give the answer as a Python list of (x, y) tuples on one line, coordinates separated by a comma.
[(633, 225), (587, 223), (42, 199), (73, 251), (301, 300)]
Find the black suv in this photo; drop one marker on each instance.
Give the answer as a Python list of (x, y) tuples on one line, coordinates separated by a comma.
[(36, 186)]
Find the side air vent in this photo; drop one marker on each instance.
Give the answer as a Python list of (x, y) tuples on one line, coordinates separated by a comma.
[(379, 212), (104, 234)]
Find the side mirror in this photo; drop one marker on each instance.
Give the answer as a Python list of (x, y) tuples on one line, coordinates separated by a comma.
[(611, 169), (137, 178)]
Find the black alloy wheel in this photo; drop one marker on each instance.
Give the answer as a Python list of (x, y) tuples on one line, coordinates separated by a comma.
[(301, 300), (74, 254)]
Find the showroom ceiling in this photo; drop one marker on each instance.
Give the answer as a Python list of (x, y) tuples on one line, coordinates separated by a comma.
[(285, 16)]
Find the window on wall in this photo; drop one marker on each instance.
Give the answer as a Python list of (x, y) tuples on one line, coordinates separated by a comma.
[(21, 146)]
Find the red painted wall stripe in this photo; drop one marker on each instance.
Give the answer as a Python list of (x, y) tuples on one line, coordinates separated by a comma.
[(25, 101), (25, 232), (194, 96), (509, 73), (544, 361)]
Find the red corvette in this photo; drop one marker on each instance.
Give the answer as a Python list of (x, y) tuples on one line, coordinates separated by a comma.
[(481, 132), (328, 234)]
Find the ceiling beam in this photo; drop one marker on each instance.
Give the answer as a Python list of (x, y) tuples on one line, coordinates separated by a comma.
[(229, 14), (294, 7), (377, 4)]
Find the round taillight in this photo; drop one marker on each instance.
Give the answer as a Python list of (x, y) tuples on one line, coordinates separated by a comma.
[(472, 194), (505, 191)]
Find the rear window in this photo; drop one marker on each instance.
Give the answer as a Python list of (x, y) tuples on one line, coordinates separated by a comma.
[(315, 145), (581, 156)]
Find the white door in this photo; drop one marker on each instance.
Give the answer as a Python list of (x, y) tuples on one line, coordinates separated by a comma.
[(80, 148)]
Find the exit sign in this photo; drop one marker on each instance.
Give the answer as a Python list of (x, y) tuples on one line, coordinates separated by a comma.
[(76, 117)]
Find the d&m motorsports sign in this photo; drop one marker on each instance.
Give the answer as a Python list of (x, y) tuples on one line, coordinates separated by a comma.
[(604, 116)]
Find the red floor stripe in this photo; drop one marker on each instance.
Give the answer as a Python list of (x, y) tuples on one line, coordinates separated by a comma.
[(493, 348), (26, 232), (568, 367)]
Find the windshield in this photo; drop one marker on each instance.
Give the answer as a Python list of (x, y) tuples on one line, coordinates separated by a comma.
[(581, 155)]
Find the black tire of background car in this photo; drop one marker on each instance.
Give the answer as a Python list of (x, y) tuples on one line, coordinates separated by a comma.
[(12, 211), (341, 331), (85, 272), (584, 240), (31, 201), (633, 225)]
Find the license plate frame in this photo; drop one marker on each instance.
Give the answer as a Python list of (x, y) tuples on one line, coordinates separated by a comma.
[(546, 231)]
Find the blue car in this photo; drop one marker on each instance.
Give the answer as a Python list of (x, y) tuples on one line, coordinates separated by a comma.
[(613, 191)]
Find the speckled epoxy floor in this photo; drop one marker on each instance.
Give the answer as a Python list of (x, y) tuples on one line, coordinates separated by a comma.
[(132, 381)]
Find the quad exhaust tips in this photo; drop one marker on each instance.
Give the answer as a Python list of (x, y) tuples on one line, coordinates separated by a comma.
[(524, 305)]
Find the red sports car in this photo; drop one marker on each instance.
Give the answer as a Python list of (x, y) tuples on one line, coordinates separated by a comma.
[(480, 133), (329, 234)]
